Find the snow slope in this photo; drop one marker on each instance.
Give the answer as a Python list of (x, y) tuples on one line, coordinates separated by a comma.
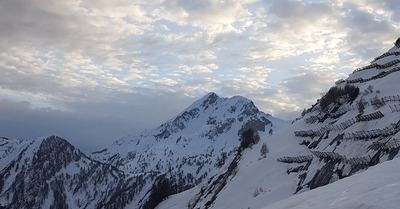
[(9, 150), (267, 176), (376, 188)]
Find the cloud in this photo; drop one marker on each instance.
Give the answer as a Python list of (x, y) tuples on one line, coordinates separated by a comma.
[(212, 16), (388, 9), (63, 27), (129, 59), (366, 32), (61, 79), (306, 86), (184, 69)]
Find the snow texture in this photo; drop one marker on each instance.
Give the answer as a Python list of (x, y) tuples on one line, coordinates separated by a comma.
[(376, 188)]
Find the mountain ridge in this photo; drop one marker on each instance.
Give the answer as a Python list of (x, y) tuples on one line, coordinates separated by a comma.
[(199, 140), (51, 173), (191, 146)]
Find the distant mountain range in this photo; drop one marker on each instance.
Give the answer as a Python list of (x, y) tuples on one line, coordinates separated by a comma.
[(182, 153)]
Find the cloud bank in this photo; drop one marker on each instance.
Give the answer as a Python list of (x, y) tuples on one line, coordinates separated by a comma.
[(96, 70)]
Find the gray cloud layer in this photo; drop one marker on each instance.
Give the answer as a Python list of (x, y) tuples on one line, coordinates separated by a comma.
[(128, 65)]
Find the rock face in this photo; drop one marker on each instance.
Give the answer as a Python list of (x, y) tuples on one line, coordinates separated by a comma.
[(51, 173)]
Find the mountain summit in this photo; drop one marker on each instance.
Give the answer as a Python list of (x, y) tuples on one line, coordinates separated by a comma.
[(190, 147)]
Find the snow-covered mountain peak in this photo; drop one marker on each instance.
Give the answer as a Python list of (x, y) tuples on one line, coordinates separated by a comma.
[(194, 144), (212, 102), (209, 99)]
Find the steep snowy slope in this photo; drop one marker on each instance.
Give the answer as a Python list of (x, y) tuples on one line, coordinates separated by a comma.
[(355, 125), (190, 147), (255, 182), (375, 188), (9, 150), (51, 173)]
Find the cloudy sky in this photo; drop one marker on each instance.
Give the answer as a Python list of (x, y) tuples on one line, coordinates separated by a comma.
[(92, 71)]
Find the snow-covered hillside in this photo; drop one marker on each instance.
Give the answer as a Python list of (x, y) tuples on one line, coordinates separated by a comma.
[(375, 188), (190, 147), (355, 125), (256, 182)]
